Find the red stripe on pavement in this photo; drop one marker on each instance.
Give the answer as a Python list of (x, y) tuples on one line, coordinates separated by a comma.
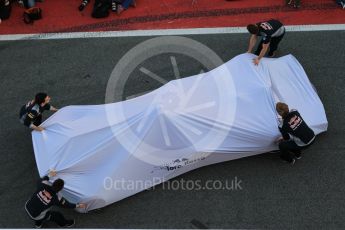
[(63, 15)]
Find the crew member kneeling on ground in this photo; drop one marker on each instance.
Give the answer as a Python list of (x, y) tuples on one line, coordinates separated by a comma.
[(31, 113), (296, 134), (39, 205)]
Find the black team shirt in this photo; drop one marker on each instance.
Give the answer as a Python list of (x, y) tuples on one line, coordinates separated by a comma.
[(44, 198), (269, 29), (294, 127)]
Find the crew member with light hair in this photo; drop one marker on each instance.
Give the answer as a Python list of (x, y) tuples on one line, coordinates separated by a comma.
[(296, 134)]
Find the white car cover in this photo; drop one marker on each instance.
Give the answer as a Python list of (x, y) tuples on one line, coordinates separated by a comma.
[(106, 153)]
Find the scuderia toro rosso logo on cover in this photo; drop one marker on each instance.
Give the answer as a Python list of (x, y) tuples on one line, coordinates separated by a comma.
[(178, 163)]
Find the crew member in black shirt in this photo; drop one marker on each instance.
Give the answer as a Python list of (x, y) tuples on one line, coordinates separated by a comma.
[(47, 195), (272, 32), (296, 134), (31, 113)]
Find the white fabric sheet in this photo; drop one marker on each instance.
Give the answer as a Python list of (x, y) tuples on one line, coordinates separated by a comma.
[(108, 152)]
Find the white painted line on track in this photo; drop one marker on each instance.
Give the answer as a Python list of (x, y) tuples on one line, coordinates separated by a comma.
[(161, 32)]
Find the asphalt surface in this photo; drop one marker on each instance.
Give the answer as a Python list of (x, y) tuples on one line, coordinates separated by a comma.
[(272, 195)]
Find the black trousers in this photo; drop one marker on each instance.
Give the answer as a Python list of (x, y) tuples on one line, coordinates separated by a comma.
[(273, 45), (56, 217), (289, 149)]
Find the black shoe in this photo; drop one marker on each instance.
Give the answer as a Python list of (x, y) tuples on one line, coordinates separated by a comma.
[(292, 162), (113, 6), (81, 7), (83, 4), (342, 4), (70, 224), (298, 156), (40, 225)]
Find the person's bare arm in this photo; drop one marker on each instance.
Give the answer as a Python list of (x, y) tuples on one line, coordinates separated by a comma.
[(52, 173), (264, 50), (262, 53), (37, 128), (81, 205), (252, 42), (52, 108)]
